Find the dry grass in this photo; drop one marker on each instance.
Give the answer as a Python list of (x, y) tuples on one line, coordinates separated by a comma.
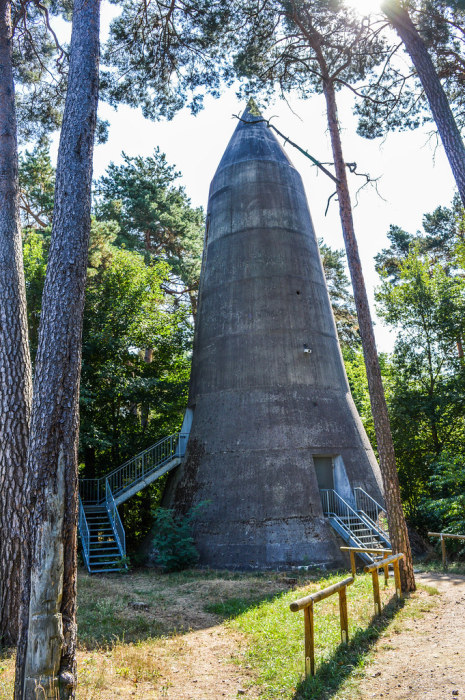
[(179, 645), (128, 653)]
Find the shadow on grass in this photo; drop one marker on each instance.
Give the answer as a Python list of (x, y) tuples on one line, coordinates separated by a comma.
[(234, 607), (332, 673), (106, 612)]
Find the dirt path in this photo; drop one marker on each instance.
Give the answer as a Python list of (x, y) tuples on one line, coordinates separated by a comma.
[(426, 659), (203, 669), (421, 659)]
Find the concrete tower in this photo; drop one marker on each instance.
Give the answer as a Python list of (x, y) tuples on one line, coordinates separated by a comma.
[(273, 418)]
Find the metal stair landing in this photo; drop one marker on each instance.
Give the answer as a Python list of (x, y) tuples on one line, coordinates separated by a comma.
[(359, 526)]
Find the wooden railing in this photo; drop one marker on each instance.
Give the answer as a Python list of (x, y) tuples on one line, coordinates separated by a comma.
[(306, 604), (383, 564), (443, 536), (369, 550)]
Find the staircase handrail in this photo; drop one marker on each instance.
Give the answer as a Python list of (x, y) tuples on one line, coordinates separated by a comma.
[(330, 497), (84, 532), (91, 490), (362, 499), (134, 469), (146, 462), (115, 520)]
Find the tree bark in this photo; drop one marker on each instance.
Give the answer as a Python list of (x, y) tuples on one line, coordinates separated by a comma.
[(145, 408), (438, 102), (46, 657), (15, 363), (397, 525)]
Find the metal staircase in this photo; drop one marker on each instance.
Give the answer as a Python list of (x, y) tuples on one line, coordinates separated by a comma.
[(359, 526), (100, 528)]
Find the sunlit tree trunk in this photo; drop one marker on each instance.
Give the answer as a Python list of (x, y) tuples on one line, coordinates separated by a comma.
[(15, 364), (438, 102), (46, 657)]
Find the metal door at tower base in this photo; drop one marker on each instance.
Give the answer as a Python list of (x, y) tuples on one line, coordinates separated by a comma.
[(324, 468)]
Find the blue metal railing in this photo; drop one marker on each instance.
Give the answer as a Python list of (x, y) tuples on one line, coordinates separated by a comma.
[(84, 532), (115, 520), (371, 510), (334, 506), (141, 469), (121, 479)]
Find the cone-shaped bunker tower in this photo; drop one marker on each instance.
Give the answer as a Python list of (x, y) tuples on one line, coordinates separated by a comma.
[(273, 418)]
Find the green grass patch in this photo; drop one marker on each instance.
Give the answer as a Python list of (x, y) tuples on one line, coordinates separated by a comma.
[(234, 607), (105, 618), (435, 566), (275, 647)]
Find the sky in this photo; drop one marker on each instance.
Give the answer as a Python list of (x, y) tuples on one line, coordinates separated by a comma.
[(414, 176), (414, 173)]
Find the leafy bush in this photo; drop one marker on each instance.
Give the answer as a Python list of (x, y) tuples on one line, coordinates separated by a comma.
[(173, 539), (444, 507)]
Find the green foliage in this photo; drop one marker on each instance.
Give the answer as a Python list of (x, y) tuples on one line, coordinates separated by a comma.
[(37, 188), (155, 217), (274, 638), (161, 55), (35, 249), (39, 69), (263, 45), (397, 100), (173, 538), (444, 506), (441, 240), (423, 296), (299, 46), (342, 301), (137, 334), (127, 401)]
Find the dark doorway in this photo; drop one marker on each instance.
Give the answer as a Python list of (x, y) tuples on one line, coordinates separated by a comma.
[(324, 469)]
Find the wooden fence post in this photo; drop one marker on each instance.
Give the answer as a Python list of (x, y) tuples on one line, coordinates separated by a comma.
[(306, 604), (397, 580), (386, 570), (309, 641), (444, 557), (343, 615), (352, 563), (376, 595), (382, 564), (442, 536)]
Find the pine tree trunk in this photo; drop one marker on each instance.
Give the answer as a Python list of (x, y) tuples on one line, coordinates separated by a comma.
[(145, 408), (397, 525), (47, 651), (15, 363), (438, 102)]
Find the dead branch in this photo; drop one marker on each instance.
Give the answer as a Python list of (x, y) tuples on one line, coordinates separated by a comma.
[(292, 143)]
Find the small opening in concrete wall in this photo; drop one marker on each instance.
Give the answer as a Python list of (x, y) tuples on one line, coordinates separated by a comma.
[(298, 292), (324, 468)]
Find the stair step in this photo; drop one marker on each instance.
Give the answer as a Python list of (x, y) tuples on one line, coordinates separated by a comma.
[(92, 511)]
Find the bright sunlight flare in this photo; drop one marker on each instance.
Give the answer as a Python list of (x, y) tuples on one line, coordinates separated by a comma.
[(364, 7)]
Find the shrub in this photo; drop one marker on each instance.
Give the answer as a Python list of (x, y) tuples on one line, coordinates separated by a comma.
[(173, 539)]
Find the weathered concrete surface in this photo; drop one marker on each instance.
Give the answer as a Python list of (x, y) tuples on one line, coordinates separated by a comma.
[(263, 408)]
